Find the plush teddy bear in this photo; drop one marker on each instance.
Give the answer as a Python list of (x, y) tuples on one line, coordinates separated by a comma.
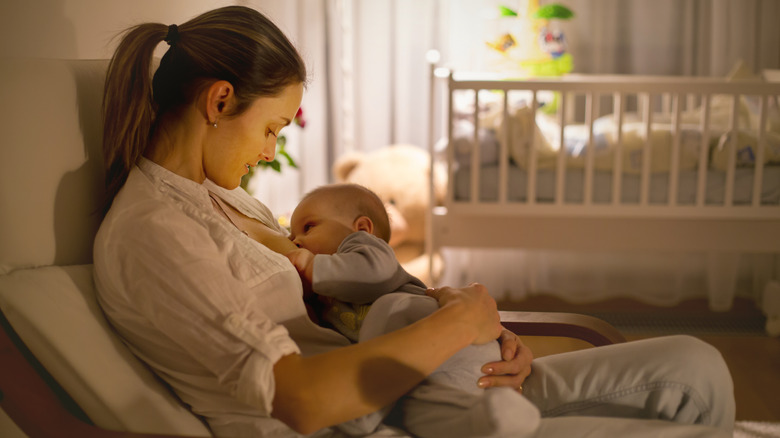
[(399, 174)]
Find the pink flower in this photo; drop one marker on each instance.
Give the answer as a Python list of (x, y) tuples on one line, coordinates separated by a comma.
[(298, 119)]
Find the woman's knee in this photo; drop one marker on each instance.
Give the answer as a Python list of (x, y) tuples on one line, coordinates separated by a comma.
[(703, 368), (697, 352)]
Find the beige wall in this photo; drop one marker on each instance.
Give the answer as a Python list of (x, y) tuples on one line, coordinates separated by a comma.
[(85, 28)]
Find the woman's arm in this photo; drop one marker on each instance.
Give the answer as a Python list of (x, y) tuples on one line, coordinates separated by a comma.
[(330, 388)]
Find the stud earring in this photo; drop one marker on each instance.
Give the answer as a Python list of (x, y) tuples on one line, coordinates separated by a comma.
[(214, 124)]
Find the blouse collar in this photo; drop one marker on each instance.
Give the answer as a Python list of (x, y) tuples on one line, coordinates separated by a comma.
[(170, 182)]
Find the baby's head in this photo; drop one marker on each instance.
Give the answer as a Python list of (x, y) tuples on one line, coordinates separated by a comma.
[(330, 213)]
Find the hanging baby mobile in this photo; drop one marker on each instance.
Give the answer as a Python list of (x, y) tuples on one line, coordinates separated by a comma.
[(531, 41)]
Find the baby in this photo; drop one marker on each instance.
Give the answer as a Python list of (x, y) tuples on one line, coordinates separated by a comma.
[(342, 233)]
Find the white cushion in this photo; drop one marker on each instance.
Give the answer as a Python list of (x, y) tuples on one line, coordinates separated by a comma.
[(54, 311)]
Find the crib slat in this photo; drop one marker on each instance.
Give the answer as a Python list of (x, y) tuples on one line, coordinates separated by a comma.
[(732, 153), (591, 111), (674, 171), (666, 103), (690, 101), (701, 184), (758, 175), (503, 178), (432, 85), (475, 167), (644, 194), (532, 159), (560, 168), (617, 172), (450, 195)]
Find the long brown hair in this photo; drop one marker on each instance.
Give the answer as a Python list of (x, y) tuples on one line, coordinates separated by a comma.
[(234, 43)]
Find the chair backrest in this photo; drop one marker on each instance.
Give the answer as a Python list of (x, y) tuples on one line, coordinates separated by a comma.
[(50, 161), (51, 182)]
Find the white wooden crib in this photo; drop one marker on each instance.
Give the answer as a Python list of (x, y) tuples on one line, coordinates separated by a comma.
[(648, 164)]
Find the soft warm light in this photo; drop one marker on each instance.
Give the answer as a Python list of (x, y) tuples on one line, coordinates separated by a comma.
[(441, 72), (432, 56)]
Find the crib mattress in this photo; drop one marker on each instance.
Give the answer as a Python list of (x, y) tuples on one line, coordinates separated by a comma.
[(630, 190)]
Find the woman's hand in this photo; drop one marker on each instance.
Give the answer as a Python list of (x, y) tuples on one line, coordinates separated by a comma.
[(477, 306), (515, 367)]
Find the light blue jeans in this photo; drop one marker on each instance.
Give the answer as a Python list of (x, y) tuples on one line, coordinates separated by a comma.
[(672, 386), (659, 387)]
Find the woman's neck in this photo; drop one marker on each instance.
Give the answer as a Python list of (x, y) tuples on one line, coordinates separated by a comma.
[(177, 146)]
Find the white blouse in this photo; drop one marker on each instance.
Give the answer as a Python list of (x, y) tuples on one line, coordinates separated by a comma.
[(208, 308)]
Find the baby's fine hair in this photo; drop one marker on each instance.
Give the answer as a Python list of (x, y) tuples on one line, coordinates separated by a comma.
[(356, 200)]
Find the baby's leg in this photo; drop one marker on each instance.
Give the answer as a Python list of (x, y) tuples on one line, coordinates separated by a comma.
[(449, 402)]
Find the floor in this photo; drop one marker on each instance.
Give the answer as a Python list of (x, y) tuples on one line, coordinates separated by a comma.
[(752, 356)]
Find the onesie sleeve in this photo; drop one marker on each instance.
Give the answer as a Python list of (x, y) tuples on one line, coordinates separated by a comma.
[(363, 269)]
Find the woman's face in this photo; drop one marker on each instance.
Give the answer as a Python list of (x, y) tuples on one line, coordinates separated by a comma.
[(240, 142)]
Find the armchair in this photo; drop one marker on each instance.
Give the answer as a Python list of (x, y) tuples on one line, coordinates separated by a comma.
[(63, 370)]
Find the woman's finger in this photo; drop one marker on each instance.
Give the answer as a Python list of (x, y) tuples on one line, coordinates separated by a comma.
[(514, 382), (478, 306), (509, 345)]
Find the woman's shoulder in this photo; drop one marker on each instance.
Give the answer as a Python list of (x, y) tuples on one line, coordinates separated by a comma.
[(149, 208)]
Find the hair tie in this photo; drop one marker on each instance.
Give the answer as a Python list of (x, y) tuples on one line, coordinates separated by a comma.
[(173, 35)]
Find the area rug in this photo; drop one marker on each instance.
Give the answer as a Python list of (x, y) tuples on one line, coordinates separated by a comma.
[(756, 429)]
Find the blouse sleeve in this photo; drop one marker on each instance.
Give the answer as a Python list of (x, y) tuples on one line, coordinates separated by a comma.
[(187, 305)]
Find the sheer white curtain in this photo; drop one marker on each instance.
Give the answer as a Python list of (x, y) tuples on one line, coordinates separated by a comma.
[(677, 37), (370, 85), (376, 50)]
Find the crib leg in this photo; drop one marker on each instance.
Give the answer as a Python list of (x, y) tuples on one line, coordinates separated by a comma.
[(770, 305), (722, 279)]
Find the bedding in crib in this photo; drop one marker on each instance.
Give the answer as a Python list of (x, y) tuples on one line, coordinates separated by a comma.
[(529, 128)]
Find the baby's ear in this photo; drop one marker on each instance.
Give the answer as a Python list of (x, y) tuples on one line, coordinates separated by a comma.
[(363, 223)]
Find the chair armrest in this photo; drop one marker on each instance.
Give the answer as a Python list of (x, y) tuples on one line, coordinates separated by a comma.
[(34, 407), (571, 325), (32, 404)]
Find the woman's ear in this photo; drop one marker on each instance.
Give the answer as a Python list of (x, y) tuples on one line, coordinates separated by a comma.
[(363, 223), (219, 97)]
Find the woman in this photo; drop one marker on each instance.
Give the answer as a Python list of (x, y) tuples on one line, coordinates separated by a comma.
[(181, 275)]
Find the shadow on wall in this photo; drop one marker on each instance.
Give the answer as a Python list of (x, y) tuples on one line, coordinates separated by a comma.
[(36, 28), (78, 201)]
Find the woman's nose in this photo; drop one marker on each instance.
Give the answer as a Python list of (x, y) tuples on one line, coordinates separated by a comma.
[(269, 150)]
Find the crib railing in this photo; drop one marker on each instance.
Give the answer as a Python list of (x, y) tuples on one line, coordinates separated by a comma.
[(675, 94)]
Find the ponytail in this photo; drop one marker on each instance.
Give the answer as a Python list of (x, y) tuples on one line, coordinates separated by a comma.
[(128, 112)]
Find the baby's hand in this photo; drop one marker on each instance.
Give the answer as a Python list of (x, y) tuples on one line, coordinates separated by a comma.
[(303, 260)]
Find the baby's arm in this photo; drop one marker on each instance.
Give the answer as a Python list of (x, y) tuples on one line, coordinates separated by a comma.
[(364, 269)]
